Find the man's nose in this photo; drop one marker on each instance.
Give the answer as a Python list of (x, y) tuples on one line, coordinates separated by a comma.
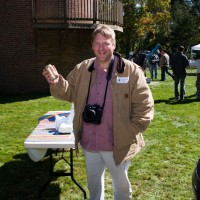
[(101, 46)]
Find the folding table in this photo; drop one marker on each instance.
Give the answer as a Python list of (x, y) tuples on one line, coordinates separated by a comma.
[(45, 137)]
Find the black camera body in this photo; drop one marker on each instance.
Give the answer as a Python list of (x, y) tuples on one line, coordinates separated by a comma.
[(92, 114)]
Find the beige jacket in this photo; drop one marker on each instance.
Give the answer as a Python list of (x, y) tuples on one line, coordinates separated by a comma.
[(133, 105), (164, 60)]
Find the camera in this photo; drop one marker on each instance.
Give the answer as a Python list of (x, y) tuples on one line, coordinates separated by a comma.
[(92, 114)]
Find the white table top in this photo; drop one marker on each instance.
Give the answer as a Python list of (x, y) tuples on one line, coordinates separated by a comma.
[(45, 136)]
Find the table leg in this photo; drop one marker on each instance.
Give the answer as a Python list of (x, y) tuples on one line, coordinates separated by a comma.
[(50, 177), (52, 173), (72, 174)]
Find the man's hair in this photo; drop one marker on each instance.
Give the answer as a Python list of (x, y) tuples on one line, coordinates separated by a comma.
[(181, 48), (106, 31), (161, 49)]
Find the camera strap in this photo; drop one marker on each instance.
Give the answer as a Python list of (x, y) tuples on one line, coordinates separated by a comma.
[(108, 77)]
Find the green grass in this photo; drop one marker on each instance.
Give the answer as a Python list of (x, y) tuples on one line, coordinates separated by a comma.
[(161, 171)]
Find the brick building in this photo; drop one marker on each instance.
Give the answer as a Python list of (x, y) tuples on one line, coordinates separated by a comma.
[(38, 32)]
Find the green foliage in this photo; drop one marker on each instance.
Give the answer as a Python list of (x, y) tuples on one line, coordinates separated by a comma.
[(145, 24), (127, 39), (196, 7), (183, 26), (161, 171), (169, 23)]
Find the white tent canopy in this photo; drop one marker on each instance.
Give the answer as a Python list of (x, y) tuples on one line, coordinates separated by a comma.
[(196, 48)]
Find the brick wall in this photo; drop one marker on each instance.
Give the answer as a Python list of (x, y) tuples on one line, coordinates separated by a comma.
[(24, 51)]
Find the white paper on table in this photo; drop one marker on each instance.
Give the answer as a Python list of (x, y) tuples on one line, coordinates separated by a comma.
[(63, 124)]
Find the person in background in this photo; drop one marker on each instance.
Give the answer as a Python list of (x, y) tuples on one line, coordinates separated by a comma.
[(140, 60), (195, 62), (179, 62), (153, 66), (109, 118), (164, 65)]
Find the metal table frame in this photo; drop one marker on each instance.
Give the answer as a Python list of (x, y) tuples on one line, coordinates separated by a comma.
[(58, 174)]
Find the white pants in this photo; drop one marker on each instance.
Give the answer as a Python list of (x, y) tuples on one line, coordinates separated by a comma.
[(96, 162)]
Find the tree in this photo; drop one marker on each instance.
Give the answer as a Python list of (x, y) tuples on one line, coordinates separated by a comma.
[(196, 7), (130, 36), (159, 18), (183, 25), (195, 10), (146, 23), (169, 23)]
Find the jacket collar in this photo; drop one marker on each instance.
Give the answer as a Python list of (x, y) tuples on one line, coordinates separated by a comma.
[(120, 64)]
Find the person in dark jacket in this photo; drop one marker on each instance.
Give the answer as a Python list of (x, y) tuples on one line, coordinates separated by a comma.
[(140, 60), (179, 63)]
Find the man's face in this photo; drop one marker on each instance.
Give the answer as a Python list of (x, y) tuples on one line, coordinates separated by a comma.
[(103, 48)]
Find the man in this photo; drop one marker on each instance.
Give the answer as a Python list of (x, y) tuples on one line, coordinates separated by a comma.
[(113, 106), (179, 63), (153, 66), (195, 62), (140, 60), (164, 65)]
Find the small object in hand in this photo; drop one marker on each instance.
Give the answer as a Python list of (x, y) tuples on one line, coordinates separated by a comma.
[(49, 68)]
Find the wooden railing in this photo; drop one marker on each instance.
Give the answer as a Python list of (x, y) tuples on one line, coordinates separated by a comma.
[(77, 11)]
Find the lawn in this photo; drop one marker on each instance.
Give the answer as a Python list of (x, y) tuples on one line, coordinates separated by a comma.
[(161, 171)]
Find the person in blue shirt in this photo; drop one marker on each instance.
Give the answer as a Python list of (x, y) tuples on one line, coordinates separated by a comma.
[(153, 66)]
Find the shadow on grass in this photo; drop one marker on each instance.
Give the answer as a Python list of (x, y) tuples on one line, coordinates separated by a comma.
[(191, 74), (6, 98), (22, 179), (187, 100)]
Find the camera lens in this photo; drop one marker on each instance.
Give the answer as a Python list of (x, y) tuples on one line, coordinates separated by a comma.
[(91, 114)]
